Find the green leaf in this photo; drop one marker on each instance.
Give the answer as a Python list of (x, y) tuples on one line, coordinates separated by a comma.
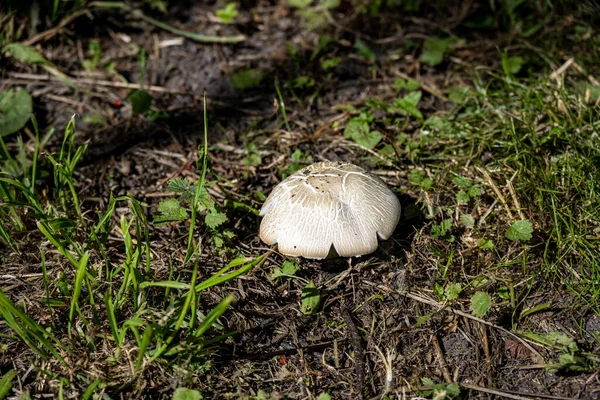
[(511, 65), (364, 51), (358, 130), (15, 110), (288, 268), (417, 177), (423, 318), (178, 185), (214, 218), (25, 54), (462, 182), (228, 13), (140, 101), (458, 95), (330, 63), (486, 244), (438, 290), (569, 362), (253, 158), (480, 304), (504, 292), (324, 396), (407, 84), (6, 382), (408, 105), (452, 390), (187, 394), (434, 49), (452, 291), (442, 229), (462, 197), (247, 78), (315, 18), (535, 309), (553, 339), (168, 211), (94, 119), (520, 231), (468, 220), (311, 298), (474, 191)]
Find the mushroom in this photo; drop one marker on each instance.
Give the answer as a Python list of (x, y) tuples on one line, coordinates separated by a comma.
[(329, 204)]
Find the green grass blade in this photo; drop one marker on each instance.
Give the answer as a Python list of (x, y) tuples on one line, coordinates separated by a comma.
[(112, 319), (218, 279), (143, 346), (213, 315), (90, 390), (80, 275), (6, 383)]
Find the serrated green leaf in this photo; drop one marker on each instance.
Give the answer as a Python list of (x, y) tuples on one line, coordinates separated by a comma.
[(462, 182), (25, 54), (140, 101), (462, 197), (15, 110), (311, 298), (481, 302), (520, 231), (178, 185), (169, 210), (247, 78), (214, 218), (474, 191), (452, 291)]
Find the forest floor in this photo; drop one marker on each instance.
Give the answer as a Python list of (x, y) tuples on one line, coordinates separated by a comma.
[(483, 122)]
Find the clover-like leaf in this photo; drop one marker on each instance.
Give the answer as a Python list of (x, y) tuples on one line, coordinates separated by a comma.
[(480, 304), (520, 231)]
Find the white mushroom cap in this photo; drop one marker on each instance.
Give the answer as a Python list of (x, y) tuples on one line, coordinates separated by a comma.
[(325, 204)]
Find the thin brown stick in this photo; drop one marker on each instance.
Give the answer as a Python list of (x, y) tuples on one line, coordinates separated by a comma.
[(489, 179), (359, 353), (50, 33), (93, 82), (493, 391), (441, 359)]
